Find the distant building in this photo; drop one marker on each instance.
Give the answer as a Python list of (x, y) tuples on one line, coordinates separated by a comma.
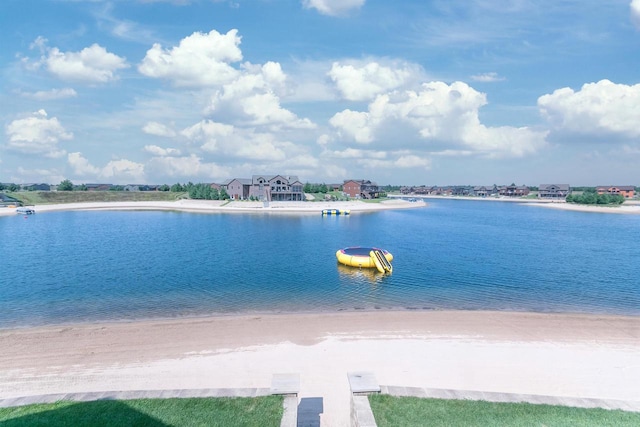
[(627, 191), (553, 191), (265, 188), (98, 187), (35, 187), (513, 190), (361, 189)]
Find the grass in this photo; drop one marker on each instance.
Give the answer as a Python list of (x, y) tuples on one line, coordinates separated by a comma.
[(217, 412), (56, 197), (411, 411)]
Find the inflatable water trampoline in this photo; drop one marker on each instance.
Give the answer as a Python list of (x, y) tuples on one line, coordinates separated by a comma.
[(362, 257), (336, 212)]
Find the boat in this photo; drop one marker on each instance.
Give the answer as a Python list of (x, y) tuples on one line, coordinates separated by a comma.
[(364, 257), (336, 212), (25, 211)]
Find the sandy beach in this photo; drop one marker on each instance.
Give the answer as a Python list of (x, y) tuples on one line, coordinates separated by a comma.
[(544, 354), (213, 206)]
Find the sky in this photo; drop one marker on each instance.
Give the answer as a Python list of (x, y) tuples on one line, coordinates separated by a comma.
[(403, 92)]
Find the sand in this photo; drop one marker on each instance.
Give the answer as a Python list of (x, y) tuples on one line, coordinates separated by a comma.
[(545, 354), (213, 206)]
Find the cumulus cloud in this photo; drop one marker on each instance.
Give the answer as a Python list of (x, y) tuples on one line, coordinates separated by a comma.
[(252, 99), (333, 7), (187, 167), (158, 129), (81, 165), (363, 82), (597, 108), (441, 116), (235, 142), (159, 151), (487, 77), (199, 60), (37, 134), (122, 170), (92, 64), (635, 12), (49, 95)]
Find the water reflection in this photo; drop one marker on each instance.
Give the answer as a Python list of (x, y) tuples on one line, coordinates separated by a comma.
[(360, 275)]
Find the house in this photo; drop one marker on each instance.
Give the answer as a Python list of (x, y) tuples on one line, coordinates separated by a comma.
[(553, 191), (361, 189), (485, 190), (238, 188), (265, 188), (513, 190), (98, 187), (627, 191), (278, 188), (462, 190), (35, 187)]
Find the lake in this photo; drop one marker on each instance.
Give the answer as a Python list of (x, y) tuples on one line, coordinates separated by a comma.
[(90, 266)]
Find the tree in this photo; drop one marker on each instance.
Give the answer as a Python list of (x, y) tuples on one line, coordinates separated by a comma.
[(13, 188), (177, 188), (164, 187), (65, 185), (223, 194), (82, 187)]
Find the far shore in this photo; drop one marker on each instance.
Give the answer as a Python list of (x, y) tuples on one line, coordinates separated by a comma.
[(572, 355), (213, 206), (354, 206), (629, 207)]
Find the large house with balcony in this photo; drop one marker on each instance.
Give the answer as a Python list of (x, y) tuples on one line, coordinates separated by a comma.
[(265, 188), (626, 191), (553, 191)]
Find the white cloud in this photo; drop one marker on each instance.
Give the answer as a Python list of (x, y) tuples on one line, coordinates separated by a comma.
[(236, 142), (635, 12), (162, 152), (48, 95), (362, 82), (333, 7), (92, 64), (597, 108), (117, 171), (186, 168), (199, 60), (441, 116), (37, 134), (81, 165), (354, 124), (158, 129), (252, 99), (487, 77), (123, 169)]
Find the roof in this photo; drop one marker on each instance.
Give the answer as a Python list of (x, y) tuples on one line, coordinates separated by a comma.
[(619, 187), (561, 187)]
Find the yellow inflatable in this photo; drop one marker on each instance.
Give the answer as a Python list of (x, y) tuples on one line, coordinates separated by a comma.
[(366, 258)]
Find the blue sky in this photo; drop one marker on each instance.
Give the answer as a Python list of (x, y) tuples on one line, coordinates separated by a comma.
[(435, 92)]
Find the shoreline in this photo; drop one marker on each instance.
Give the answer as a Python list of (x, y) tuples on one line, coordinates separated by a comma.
[(632, 207), (571, 355), (218, 206)]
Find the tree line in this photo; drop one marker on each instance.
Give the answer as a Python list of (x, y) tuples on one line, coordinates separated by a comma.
[(591, 197)]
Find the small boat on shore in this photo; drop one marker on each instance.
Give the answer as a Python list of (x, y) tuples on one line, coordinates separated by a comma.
[(363, 257), (25, 211)]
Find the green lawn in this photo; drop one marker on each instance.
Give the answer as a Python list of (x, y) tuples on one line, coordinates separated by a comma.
[(217, 412), (55, 197), (416, 412)]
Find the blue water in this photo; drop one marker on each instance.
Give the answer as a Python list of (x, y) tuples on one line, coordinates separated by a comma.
[(64, 267)]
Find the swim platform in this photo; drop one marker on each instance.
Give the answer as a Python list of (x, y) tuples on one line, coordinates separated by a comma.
[(366, 257)]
